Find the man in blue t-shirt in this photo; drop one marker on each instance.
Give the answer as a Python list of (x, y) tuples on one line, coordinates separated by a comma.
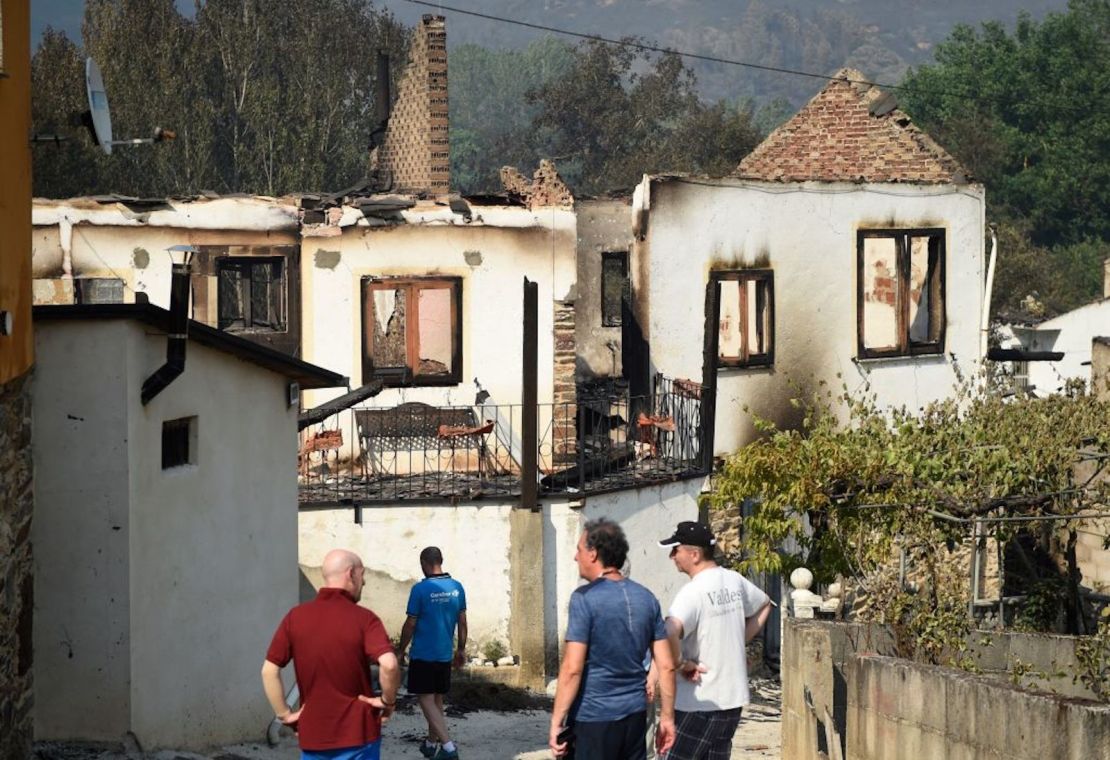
[(600, 708), (436, 605)]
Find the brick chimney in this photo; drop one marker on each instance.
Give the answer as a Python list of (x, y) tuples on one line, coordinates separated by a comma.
[(415, 148)]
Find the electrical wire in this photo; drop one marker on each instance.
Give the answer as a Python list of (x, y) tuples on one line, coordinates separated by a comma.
[(646, 47), (966, 94)]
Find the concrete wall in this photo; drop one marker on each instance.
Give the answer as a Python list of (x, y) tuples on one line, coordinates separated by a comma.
[(898, 708), (879, 707), (1071, 333), (82, 531), (807, 234), (158, 590), (474, 538), (646, 515), (603, 226), (492, 257)]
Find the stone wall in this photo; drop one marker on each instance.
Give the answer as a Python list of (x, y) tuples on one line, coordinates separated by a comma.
[(565, 415), (16, 579), (415, 149)]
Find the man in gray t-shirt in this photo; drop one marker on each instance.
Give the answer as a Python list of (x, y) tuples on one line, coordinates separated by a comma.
[(709, 624), (600, 710)]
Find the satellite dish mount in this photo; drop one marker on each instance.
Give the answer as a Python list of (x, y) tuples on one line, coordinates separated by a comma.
[(98, 118)]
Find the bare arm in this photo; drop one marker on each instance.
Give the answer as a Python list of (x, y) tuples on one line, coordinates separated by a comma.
[(389, 674), (406, 634), (275, 693), (570, 678), (664, 663), (460, 650), (754, 624), (688, 669)]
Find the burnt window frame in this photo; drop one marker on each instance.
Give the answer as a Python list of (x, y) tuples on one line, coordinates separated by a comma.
[(179, 443), (408, 376), (746, 359), (608, 319), (249, 263), (906, 347)]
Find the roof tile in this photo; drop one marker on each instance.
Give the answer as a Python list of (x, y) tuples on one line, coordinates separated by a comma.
[(835, 138)]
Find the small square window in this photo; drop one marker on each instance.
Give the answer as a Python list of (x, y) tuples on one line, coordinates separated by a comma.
[(179, 442), (745, 317), (901, 292), (615, 287)]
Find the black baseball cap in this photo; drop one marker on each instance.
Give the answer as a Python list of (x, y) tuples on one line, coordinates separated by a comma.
[(690, 534)]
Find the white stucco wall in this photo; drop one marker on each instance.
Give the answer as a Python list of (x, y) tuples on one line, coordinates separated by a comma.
[(646, 515), (1071, 333), (213, 547), (203, 564), (474, 539), (507, 246), (81, 532), (807, 235)]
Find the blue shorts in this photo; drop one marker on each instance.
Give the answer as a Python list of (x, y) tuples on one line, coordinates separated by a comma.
[(371, 751)]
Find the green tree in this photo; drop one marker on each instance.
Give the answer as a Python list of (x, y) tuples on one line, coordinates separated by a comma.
[(1029, 113), (491, 116), (265, 97), (618, 113), (856, 484), (67, 168)]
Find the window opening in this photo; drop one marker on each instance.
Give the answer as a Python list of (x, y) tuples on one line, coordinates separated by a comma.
[(179, 442), (615, 286), (251, 293), (745, 317), (412, 330), (98, 290), (901, 292)]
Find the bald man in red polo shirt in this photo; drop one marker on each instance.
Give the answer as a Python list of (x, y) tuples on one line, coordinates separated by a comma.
[(332, 641)]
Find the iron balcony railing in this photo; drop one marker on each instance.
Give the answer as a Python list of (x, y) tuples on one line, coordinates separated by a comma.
[(604, 441)]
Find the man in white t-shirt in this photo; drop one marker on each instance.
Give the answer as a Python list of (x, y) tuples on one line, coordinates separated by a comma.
[(709, 624)]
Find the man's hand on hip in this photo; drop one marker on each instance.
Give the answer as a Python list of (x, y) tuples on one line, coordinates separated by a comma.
[(378, 704)]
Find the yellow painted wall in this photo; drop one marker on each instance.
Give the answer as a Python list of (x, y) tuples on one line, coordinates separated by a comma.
[(15, 186)]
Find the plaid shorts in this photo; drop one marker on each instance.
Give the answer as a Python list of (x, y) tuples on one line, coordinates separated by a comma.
[(704, 735)]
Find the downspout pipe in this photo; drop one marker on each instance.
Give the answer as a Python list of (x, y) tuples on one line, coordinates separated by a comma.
[(985, 323), (177, 338)]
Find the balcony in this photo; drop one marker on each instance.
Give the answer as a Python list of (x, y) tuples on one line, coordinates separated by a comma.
[(607, 441)]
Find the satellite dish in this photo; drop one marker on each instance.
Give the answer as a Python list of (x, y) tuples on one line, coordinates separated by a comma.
[(98, 106)]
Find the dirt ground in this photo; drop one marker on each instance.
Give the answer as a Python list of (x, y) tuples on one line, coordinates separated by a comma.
[(516, 733)]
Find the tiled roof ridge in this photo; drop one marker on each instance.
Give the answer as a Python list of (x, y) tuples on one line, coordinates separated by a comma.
[(846, 134)]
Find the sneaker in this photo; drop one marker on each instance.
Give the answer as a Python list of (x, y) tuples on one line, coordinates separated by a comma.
[(427, 748), (442, 754)]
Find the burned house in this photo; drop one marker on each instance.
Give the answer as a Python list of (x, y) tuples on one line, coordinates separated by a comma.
[(847, 248)]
